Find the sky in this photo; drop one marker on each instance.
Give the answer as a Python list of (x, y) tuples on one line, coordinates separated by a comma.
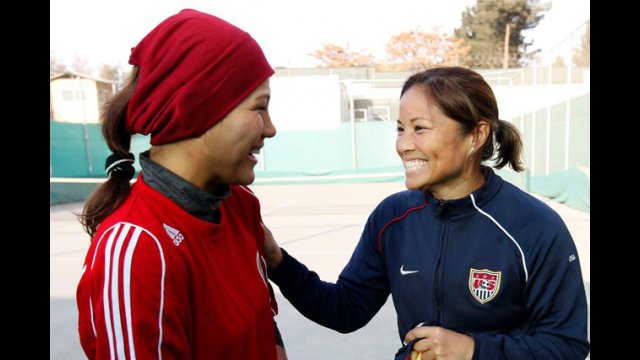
[(102, 31)]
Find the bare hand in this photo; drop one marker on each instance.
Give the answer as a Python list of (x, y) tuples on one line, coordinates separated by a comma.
[(271, 248), (440, 343)]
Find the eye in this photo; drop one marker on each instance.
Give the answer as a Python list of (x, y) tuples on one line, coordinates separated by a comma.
[(400, 129), (421, 128), (260, 106)]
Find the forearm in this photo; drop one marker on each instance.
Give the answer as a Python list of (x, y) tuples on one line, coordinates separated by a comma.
[(341, 307)]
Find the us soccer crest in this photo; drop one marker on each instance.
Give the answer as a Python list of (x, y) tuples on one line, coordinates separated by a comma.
[(484, 284)]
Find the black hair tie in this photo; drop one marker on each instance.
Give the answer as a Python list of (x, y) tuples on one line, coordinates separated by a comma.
[(122, 163)]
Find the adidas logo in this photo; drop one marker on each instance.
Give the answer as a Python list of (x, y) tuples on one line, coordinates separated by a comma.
[(174, 234)]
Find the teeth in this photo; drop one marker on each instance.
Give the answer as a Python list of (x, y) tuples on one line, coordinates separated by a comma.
[(256, 151), (414, 164)]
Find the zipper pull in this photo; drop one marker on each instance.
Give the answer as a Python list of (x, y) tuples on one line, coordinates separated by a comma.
[(439, 207)]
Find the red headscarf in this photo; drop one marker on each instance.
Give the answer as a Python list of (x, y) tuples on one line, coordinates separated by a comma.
[(194, 69)]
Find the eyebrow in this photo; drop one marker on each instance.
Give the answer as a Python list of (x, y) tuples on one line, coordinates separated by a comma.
[(263, 96), (414, 119)]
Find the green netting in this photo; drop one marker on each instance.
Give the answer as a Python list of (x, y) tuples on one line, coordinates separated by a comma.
[(383, 174), (60, 193), (540, 152), (557, 142), (67, 150), (580, 140), (329, 156), (313, 152), (557, 134), (79, 150), (571, 187)]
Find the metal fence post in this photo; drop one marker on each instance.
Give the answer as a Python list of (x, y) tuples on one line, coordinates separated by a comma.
[(87, 147), (547, 165), (567, 136), (354, 152)]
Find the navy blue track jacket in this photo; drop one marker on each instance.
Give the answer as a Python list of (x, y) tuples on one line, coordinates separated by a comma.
[(498, 265)]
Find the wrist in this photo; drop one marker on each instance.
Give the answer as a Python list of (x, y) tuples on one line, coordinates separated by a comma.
[(471, 348)]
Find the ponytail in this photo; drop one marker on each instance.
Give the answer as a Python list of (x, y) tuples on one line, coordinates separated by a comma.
[(509, 146), (111, 194)]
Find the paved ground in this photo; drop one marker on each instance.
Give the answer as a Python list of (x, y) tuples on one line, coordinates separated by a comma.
[(318, 224)]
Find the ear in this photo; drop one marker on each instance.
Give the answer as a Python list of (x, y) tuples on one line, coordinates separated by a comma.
[(479, 135)]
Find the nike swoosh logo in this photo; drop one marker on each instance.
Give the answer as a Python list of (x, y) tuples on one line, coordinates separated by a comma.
[(407, 272)]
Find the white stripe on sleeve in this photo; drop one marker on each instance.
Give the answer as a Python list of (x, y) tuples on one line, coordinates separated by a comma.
[(111, 295), (127, 288), (105, 291), (115, 293)]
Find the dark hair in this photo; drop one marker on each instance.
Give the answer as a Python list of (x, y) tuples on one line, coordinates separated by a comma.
[(111, 194), (463, 95)]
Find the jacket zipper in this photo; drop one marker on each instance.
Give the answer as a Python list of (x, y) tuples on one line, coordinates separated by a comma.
[(438, 274)]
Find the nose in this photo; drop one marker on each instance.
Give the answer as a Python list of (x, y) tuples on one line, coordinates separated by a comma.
[(404, 143), (268, 130)]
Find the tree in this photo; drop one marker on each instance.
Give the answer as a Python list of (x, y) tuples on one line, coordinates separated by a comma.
[(56, 64), (484, 27), (416, 50), (582, 54), (559, 63), (110, 72), (332, 55), (80, 65)]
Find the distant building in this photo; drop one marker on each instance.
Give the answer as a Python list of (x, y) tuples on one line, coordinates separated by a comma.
[(77, 98), (374, 95)]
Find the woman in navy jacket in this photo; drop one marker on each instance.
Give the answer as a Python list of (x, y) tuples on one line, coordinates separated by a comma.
[(478, 269)]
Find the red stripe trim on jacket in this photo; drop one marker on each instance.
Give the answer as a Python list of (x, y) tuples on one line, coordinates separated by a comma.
[(396, 220)]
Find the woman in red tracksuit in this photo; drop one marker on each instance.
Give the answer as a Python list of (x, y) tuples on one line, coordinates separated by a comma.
[(175, 269)]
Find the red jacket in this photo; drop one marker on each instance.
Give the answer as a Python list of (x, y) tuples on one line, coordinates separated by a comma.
[(159, 283)]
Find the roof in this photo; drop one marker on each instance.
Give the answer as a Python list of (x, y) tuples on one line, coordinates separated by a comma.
[(53, 75)]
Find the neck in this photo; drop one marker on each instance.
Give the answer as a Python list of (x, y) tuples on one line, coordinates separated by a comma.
[(176, 158), (462, 187)]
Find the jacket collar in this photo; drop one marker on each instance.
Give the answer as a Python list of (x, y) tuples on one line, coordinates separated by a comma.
[(196, 202), (458, 207)]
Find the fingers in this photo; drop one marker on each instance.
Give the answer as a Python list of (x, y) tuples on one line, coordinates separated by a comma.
[(427, 355), (272, 250), (267, 232), (269, 240), (418, 332), (421, 350), (423, 345), (428, 335), (437, 342)]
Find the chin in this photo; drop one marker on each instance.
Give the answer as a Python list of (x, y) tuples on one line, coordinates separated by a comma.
[(412, 185), (417, 183), (247, 179)]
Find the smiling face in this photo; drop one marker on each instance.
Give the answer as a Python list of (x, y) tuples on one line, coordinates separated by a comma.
[(226, 152), (437, 156)]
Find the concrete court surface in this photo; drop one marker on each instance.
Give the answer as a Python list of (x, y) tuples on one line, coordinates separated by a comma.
[(318, 224)]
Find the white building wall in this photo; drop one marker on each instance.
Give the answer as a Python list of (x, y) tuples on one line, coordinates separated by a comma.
[(74, 100), (305, 102), (517, 100)]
